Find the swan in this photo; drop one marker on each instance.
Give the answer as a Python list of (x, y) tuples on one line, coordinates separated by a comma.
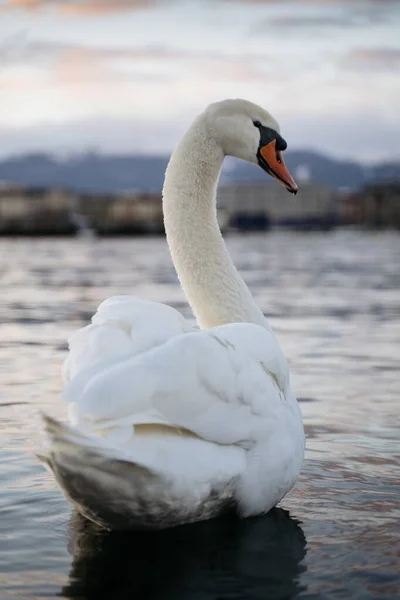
[(170, 423)]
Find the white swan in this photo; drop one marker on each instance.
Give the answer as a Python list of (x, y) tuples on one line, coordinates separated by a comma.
[(171, 424)]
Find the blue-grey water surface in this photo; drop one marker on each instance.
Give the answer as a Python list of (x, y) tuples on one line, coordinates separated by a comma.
[(333, 299)]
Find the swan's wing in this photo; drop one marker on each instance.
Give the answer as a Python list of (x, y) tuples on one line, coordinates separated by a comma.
[(222, 384), (122, 326)]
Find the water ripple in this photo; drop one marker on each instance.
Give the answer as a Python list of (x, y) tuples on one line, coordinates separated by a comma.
[(333, 299)]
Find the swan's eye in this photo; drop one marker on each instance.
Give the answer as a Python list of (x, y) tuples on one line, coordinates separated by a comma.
[(257, 124)]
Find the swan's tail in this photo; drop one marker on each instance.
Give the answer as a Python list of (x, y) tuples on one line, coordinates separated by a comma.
[(104, 487)]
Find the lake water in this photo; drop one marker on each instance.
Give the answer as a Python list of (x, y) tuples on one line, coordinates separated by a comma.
[(334, 301)]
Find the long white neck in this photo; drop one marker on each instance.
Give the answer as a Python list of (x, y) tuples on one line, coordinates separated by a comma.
[(215, 291)]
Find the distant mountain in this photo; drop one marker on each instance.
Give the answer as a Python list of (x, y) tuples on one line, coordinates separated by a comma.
[(87, 172), (107, 174)]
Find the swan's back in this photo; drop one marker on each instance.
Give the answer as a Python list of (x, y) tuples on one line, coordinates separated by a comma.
[(175, 426), (162, 475)]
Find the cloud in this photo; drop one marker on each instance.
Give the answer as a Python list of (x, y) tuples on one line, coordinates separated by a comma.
[(81, 63), (109, 134), (81, 7), (310, 21), (362, 137), (316, 2), (366, 136), (66, 81), (372, 58), (167, 63)]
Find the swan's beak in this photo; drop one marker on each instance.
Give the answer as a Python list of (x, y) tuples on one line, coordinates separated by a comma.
[(270, 159)]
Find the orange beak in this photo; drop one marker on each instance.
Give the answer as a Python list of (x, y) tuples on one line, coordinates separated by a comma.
[(271, 160)]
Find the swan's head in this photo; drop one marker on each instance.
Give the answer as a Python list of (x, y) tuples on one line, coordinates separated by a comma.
[(249, 132)]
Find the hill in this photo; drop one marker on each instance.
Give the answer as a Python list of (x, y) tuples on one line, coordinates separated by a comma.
[(110, 173)]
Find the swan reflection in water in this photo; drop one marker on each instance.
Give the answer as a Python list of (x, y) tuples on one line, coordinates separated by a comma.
[(253, 559)]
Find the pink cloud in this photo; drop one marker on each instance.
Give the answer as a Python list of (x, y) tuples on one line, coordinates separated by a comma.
[(83, 7), (73, 63)]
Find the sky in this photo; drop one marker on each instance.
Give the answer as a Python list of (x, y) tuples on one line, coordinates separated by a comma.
[(129, 75)]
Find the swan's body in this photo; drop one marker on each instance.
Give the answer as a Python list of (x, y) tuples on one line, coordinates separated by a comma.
[(171, 424)]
